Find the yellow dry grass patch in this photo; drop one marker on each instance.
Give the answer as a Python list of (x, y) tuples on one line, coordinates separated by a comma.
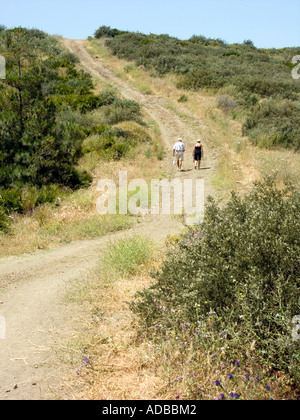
[(122, 365)]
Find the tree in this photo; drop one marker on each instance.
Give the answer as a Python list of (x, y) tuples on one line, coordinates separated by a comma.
[(28, 119)]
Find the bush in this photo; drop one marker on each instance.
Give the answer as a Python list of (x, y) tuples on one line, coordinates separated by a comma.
[(4, 221), (204, 63), (27, 198), (226, 103), (243, 264), (200, 79), (10, 200), (107, 31), (275, 122), (126, 256), (121, 110), (113, 143)]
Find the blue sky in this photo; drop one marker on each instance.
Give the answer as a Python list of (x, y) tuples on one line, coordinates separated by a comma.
[(268, 23)]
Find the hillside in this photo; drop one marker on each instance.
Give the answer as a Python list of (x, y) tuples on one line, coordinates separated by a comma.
[(252, 83), (214, 313)]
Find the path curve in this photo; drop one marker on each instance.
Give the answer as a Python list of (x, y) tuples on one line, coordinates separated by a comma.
[(31, 286)]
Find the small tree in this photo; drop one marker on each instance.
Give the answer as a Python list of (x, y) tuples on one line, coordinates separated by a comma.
[(107, 31)]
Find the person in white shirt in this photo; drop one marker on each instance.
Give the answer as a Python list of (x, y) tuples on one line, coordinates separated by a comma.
[(178, 153)]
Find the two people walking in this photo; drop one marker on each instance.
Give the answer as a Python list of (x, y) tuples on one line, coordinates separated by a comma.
[(179, 150)]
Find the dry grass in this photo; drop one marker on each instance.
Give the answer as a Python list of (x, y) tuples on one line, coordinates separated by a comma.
[(76, 218), (112, 360), (238, 162), (120, 365), (123, 364)]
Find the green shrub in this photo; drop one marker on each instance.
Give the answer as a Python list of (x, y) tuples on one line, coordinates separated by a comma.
[(243, 264), (107, 31), (84, 103), (275, 122), (10, 200), (37, 147), (201, 78), (226, 103), (126, 256), (48, 194), (121, 110), (29, 198), (112, 144), (183, 98), (205, 63), (4, 221)]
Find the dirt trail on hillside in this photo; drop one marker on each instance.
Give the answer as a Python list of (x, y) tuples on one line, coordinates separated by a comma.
[(33, 314)]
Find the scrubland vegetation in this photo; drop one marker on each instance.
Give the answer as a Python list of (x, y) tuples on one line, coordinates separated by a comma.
[(57, 130), (252, 83), (212, 318), (215, 318)]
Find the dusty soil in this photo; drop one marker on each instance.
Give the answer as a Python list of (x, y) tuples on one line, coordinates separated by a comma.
[(32, 286)]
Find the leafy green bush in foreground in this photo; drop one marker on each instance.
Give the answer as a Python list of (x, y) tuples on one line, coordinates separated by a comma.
[(242, 264)]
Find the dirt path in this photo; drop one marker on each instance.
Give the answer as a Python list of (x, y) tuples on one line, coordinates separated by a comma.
[(31, 287)]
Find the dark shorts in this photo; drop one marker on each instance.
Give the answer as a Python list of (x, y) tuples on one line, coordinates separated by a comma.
[(198, 156)]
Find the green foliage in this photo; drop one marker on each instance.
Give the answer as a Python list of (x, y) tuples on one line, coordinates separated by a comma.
[(226, 103), (4, 221), (83, 103), (10, 200), (111, 145), (46, 112), (274, 123), (237, 69), (126, 256), (183, 98), (34, 148), (27, 198), (107, 31), (243, 264), (121, 110)]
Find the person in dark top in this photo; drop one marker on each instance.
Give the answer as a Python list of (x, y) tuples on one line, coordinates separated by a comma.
[(198, 154)]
